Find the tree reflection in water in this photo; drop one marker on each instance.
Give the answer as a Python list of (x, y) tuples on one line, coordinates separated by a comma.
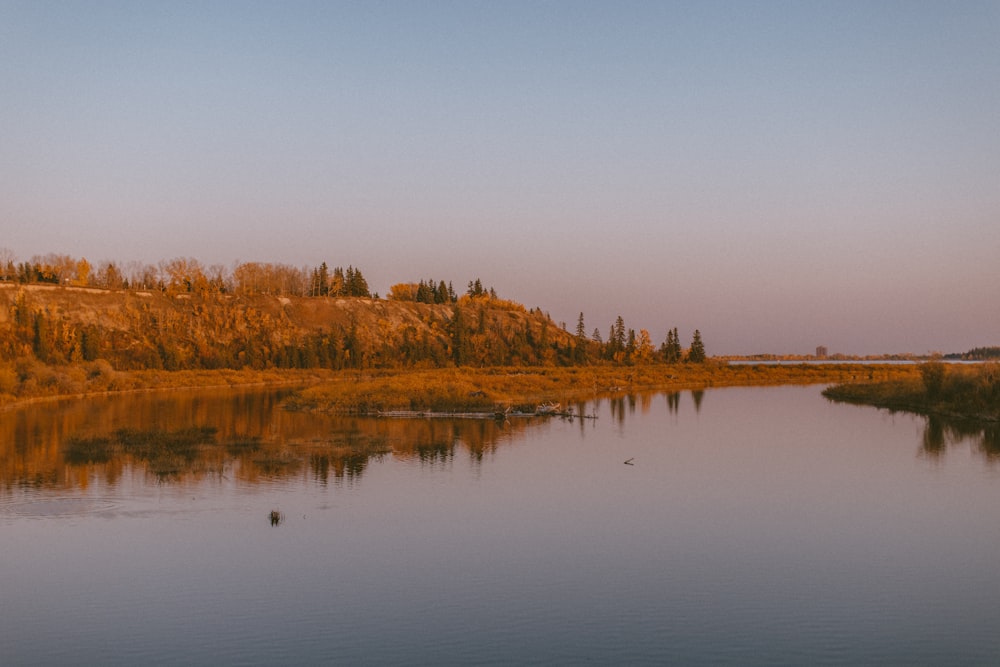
[(242, 435), (940, 433), (247, 436)]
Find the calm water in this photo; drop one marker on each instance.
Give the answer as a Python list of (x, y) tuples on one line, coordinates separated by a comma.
[(754, 526)]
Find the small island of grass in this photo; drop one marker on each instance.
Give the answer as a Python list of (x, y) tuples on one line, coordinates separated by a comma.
[(946, 390)]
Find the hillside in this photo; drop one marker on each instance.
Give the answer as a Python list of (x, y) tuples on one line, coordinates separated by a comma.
[(135, 330)]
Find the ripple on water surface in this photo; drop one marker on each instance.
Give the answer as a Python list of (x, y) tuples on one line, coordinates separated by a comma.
[(44, 508)]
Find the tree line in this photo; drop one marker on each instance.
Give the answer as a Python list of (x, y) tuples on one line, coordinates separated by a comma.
[(200, 325), (186, 275), (977, 354)]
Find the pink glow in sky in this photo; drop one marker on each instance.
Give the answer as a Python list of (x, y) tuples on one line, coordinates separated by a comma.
[(779, 175)]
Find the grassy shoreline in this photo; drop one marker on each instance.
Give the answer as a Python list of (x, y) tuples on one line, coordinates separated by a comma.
[(487, 389), (955, 392), (437, 389), (40, 383)]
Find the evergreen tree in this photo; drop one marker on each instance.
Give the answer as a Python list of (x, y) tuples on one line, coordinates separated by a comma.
[(459, 339), (41, 342), (671, 349), (323, 280), (355, 283), (349, 281), (424, 293), (696, 354), (352, 345), (475, 288), (619, 333)]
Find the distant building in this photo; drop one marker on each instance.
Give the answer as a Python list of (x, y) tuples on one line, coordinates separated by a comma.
[(821, 352)]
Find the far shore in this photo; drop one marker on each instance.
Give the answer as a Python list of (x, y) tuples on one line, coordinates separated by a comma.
[(444, 389)]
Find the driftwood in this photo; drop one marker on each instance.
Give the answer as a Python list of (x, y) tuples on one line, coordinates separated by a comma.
[(542, 410)]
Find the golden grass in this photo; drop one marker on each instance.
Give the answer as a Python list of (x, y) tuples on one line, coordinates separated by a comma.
[(437, 389), (29, 380), (475, 389), (966, 392)]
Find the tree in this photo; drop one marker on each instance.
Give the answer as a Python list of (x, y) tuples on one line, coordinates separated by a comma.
[(643, 347), (83, 272), (671, 349), (109, 276), (185, 274), (616, 340), (459, 338), (424, 293), (355, 283), (696, 354), (403, 292), (322, 280), (7, 270), (338, 285), (580, 344)]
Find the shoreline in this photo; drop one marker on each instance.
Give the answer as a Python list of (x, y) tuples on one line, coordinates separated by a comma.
[(493, 389), (145, 382), (466, 389), (939, 390)]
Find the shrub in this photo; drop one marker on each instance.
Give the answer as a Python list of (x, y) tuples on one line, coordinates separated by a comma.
[(933, 373)]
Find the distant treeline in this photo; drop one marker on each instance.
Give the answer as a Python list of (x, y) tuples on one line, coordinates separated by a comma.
[(178, 315), (976, 354), (185, 275)]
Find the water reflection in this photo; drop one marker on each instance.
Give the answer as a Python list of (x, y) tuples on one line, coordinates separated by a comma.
[(940, 433), (770, 524), (698, 395), (245, 435), (233, 434)]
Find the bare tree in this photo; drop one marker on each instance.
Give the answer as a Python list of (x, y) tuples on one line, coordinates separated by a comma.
[(7, 259)]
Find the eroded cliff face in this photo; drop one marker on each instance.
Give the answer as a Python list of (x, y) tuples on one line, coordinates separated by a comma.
[(150, 329)]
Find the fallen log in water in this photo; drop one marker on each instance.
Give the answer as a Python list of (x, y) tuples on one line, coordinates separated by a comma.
[(491, 414)]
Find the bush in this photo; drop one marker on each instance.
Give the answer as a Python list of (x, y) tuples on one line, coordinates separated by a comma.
[(933, 373)]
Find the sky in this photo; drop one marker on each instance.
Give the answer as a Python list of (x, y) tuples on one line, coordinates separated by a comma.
[(778, 175)]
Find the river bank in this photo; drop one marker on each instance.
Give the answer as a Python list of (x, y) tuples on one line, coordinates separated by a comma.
[(438, 389), (490, 389), (945, 390), (36, 383)]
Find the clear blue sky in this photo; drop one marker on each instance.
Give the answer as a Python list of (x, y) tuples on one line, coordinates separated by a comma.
[(780, 175)]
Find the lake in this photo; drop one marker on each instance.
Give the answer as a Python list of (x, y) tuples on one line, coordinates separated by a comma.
[(749, 526)]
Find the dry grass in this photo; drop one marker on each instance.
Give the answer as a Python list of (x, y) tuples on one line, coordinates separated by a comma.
[(28, 380), (465, 389), (967, 392), (439, 389)]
